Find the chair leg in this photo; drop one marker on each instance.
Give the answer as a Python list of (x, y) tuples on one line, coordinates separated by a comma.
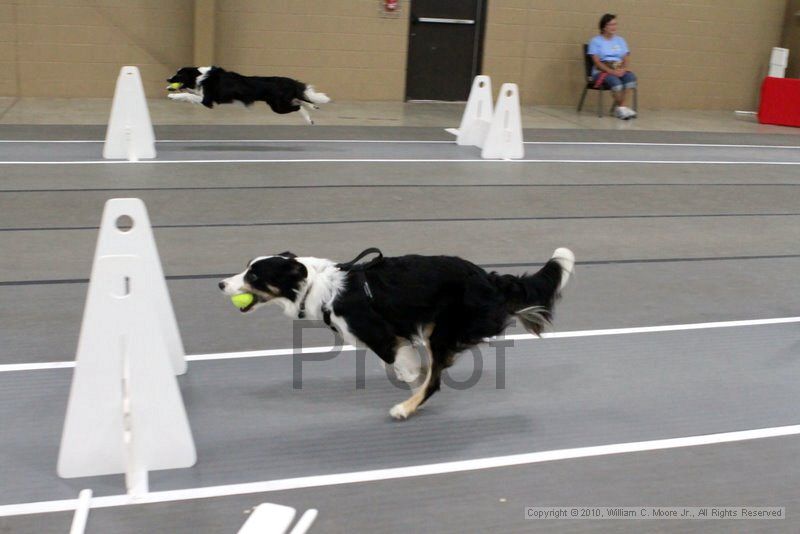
[(583, 97), (599, 103), (636, 99)]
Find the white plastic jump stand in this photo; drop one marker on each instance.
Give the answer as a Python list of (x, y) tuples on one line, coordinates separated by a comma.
[(268, 518), (130, 133), (504, 140), (778, 61), (477, 115), (140, 241), (81, 514), (125, 413)]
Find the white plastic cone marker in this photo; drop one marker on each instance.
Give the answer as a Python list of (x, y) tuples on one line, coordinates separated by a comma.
[(139, 241), (477, 115), (125, 413), (268, 518), (130, 133), (778, 60), (504, 140)]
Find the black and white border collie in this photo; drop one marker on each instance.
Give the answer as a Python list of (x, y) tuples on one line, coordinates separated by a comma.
[(442, 304), (215, 85)]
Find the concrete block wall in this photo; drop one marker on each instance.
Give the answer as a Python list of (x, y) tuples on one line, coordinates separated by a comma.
[(75, 48), (692, 54), (345, 48), (689, 54), (8, 50)]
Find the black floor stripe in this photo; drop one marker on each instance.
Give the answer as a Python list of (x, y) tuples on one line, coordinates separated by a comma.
[(384, 186), (404, 221), (218, 276)]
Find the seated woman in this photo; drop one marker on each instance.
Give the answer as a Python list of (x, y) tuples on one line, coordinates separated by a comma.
[(610, 55)]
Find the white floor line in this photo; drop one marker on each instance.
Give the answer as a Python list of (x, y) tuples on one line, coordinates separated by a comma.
[(622, 143), (516, 337), (394, 160), (402, 472), (188, 141), (416, 141)]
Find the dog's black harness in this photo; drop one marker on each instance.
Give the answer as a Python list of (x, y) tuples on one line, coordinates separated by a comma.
[(351, 266)]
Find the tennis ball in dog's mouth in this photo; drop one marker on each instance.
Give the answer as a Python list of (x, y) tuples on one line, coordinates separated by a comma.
[(174, 86), (243, 300)]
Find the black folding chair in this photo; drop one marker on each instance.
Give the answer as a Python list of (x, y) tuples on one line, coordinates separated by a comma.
[(588, 64)]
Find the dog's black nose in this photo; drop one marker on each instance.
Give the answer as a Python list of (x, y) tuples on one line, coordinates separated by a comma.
[(221, 285)]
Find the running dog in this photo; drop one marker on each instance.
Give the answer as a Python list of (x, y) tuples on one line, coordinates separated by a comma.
[(443, 304), (215, 85)]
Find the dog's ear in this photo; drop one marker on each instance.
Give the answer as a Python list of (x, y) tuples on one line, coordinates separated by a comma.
[(299, 269), (287, 254)]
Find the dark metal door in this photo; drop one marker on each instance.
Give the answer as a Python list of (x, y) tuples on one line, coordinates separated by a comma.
[(444, 48)]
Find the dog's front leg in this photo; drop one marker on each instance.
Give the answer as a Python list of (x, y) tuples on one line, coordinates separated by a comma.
[(407, 362), (186, 97), (405, 409)]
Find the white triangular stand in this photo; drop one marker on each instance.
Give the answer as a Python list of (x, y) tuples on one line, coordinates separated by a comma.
[(504, 140), (130, 133), (139, 241), (477, 115), (269, 518), (125, 413)]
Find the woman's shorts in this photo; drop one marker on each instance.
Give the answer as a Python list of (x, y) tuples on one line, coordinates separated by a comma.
[(615, 83)]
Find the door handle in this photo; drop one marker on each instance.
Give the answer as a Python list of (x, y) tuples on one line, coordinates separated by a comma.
[(434, 20)]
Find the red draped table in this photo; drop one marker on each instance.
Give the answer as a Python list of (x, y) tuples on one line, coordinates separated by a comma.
[(780, 102)]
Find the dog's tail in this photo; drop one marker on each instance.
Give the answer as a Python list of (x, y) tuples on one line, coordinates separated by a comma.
[(531, 298), (314, 97)]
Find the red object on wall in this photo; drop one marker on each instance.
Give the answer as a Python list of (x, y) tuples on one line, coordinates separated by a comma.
[(780, 101), (390, 5)]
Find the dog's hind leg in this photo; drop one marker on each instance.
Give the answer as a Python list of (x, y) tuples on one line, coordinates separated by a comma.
[(305, 103), (305, 115)]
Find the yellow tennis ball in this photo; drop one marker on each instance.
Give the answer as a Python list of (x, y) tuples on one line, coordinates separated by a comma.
[(243, 300), (175, 85)]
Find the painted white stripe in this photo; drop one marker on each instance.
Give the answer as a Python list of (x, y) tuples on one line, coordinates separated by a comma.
[(403, 472), (515, 337), (12, 367), (651, 329), (265, 353), (415, 141), (394, 160), (188, 141), (622, 143)]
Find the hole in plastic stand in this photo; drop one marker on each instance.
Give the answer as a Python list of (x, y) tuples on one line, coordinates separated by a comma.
[(124, 223)]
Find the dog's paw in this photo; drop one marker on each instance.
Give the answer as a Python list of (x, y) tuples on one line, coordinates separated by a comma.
[(398, 412), (174, 96)]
